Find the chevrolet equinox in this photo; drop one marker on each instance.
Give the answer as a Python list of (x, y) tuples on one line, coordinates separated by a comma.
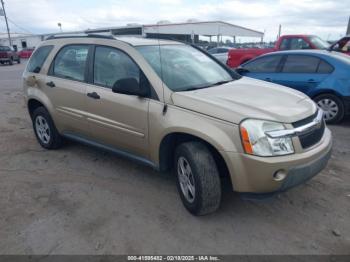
[(174, 107)]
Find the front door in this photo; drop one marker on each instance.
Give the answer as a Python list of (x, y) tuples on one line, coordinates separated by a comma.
[(263, 68), (116, 120)]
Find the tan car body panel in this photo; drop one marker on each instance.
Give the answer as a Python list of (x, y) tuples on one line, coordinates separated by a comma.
[(211, 114)]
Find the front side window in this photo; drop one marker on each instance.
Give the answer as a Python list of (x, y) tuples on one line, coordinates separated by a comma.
[(267, 64), (183, 67), (301, 64), (38, 58), (285, 44), (70, 62), (111, 65)]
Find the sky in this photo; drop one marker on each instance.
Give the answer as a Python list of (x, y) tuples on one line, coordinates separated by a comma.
[(325, 18)]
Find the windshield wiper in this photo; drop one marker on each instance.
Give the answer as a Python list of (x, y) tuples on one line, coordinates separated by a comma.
[(207, 86)]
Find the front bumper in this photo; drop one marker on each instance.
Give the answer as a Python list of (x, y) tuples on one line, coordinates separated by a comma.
[(253, 174), (2, 59)]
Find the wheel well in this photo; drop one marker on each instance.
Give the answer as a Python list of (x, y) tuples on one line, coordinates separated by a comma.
[(171, 141), (325, 92), (32, 105)]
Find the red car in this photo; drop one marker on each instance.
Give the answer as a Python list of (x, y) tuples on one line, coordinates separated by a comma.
[(26, 53), (236, 57)]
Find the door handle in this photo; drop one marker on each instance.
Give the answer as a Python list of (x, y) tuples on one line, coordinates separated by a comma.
[(50, 84), (93, 95)]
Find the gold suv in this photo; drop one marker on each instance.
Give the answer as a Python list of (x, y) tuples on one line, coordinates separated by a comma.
[(174, 107)]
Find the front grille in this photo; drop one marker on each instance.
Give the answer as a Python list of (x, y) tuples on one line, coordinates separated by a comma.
[(313, 137)]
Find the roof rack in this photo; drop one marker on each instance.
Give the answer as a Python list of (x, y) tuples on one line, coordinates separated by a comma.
[(58, 36)]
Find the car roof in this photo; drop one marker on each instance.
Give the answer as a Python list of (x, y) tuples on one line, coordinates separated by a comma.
[(331, 55), (131, 40), (139, 41), (302, 52)]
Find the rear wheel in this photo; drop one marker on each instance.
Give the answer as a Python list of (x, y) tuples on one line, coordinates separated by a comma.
[(198, 179), (332, 106), (45, 130)]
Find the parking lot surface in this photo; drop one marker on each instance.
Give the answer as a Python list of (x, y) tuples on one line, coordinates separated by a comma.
[(80, 200)]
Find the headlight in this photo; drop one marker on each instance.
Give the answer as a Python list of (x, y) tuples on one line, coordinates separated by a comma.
[(256, 142)]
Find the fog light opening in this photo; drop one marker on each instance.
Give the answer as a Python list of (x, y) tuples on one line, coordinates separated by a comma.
[(279, 175)]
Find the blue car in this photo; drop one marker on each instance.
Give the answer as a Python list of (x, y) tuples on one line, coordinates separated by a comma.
[(322, 75)]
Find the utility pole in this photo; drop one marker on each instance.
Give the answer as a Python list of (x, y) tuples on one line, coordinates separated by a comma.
[(7, 25), (279, 31), (348, 31)]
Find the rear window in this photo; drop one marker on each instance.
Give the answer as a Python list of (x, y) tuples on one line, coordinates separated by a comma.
[(38, 58), (301, 64)]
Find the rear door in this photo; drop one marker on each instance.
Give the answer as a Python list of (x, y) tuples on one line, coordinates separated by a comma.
[(303, 72), (264, 68), (66, 88), (117, 120)]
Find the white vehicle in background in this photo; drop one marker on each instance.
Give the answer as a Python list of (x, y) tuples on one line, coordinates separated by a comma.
[(220, 53)]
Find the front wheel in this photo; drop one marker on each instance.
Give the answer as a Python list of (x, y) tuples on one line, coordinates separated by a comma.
[(198, 179), (332, 107)]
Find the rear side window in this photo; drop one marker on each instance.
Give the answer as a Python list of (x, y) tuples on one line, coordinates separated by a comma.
[(70, 62), (301, 64), (267, 64), (324, 68), (38, 58), (111, 65), (299, 43)]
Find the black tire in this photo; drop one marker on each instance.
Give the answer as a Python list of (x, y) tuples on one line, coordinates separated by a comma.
[(18, 60), (205, 178), (55, 140), (334, 99)]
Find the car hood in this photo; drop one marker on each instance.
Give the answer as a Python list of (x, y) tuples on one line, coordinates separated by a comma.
[(247, 98)]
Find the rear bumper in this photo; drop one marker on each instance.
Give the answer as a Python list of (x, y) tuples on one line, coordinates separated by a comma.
[(2, 59), (252, 174)]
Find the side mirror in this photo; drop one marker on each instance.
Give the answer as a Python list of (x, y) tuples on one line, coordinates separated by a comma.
[(130, 86), (30, 80), (241, 70)]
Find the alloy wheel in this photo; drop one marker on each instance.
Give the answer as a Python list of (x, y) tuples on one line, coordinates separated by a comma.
[(42, 129), (329, 107), (186, 179)]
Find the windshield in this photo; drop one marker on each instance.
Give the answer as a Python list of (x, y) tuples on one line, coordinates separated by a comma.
[(4, 48), (319, 43), (184, 67)]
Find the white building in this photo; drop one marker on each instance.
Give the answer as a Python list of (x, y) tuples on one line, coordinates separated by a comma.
[(188, 31)]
